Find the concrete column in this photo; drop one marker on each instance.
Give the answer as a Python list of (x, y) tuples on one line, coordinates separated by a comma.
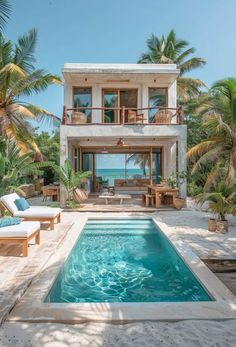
[(63, 157), (173, 157), (172, 97), (144, 91), (182, 162), (96, 102)]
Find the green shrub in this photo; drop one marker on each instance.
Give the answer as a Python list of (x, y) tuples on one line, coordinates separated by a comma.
[(194, 189)]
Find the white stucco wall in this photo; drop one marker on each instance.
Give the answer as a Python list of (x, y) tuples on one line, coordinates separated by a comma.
[(165, 136), (140, 82)]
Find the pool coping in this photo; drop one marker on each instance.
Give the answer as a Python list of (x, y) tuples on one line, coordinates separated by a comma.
[(31, 307)]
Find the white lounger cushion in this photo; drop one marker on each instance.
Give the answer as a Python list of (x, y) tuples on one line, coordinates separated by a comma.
[(24, 229), (33, 211), (38, 212), (9, 201)]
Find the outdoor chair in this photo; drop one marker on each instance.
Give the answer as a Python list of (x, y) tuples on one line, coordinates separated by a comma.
[(33, 213), (21, 234), (134, 117), (163, 117)]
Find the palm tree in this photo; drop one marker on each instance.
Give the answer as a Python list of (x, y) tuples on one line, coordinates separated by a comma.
[(222, 200), (5, 10), (219, 119), (142, 160), (170, 50), (14, 168), (18, 79), (70, 178)]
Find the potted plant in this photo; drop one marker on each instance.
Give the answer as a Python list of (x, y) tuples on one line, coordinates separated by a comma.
[(71, 180), (173, 181), (221, 201)]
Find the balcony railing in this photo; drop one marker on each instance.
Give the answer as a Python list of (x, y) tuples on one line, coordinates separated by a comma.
[(122, 115)]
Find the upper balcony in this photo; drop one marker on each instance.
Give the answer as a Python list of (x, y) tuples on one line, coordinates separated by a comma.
[(122, 116)]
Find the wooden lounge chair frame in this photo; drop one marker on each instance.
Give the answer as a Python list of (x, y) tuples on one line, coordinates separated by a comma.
[(23, 241), (39, 219)]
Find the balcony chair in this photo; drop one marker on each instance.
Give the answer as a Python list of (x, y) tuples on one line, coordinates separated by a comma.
[(134, 117), (163, 117), (78, 118)]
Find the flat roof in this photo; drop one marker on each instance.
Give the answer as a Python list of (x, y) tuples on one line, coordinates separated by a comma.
[(120, 68)]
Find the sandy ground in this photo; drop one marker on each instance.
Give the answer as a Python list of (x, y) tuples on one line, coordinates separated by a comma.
[(191, 227), (148, 334)]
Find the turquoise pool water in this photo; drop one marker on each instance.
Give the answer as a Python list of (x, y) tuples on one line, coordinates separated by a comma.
[(125, 261)]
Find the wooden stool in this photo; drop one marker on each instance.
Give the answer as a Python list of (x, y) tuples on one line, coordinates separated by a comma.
[(149, 198)]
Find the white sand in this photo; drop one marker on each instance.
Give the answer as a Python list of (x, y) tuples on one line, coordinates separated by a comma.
[(191, 227), (148, 334)]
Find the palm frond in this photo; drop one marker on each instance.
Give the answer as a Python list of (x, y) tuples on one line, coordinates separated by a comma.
[(25, 49), (5, 11)]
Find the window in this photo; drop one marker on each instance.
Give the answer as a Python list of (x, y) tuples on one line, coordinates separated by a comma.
[(82, 97), (157, 97), (116, 99)]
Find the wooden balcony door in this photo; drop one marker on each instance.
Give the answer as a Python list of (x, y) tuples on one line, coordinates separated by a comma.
[(116, 99)]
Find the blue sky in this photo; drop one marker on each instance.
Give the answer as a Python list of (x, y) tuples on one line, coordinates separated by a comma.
[(116, 31)]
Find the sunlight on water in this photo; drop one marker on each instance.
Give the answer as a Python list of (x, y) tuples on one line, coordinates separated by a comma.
[(125, 261)]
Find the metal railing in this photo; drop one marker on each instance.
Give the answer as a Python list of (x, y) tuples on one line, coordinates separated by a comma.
[(123, 115)]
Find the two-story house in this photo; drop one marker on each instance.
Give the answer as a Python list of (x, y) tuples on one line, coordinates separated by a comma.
[(123, 109)]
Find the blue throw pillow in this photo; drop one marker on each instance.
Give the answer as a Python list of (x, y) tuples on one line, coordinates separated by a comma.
[(22, 204), (7, 221)]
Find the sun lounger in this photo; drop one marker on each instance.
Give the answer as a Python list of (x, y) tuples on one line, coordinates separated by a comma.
[(34, 213), (21, 233)]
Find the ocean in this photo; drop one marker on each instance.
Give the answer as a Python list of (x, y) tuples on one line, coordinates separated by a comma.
[(112, 174)]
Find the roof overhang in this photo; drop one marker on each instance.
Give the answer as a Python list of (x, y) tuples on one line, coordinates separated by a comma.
[(105, 73)]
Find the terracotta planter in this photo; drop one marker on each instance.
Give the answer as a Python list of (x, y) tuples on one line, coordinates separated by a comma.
[(212, 224), (218, 226), (222, 226), (179, 203), (78, 118), (80, 195)]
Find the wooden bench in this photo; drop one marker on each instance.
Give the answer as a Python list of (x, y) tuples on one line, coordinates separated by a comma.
[(120, 197)]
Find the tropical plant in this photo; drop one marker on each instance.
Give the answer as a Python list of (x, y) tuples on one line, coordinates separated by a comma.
[(222, 200), (5, 10), (69, 178), (171, 50), (142, 160), (16, 168), (19, 78), (218, 148), (49, 145), (175, 179)]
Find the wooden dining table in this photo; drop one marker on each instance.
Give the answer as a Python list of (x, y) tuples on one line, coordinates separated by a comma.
[(159, 190)]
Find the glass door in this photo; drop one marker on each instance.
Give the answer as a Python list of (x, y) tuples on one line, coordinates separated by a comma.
[(156, 165), (88, 165), (111, 100)]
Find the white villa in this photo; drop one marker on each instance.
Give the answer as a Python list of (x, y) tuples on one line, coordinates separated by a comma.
[(123, 109)]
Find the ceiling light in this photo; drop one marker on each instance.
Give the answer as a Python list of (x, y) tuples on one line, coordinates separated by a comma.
[(121, 143)]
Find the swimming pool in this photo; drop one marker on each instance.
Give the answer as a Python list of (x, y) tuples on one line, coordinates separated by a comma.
[(124, 260)]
